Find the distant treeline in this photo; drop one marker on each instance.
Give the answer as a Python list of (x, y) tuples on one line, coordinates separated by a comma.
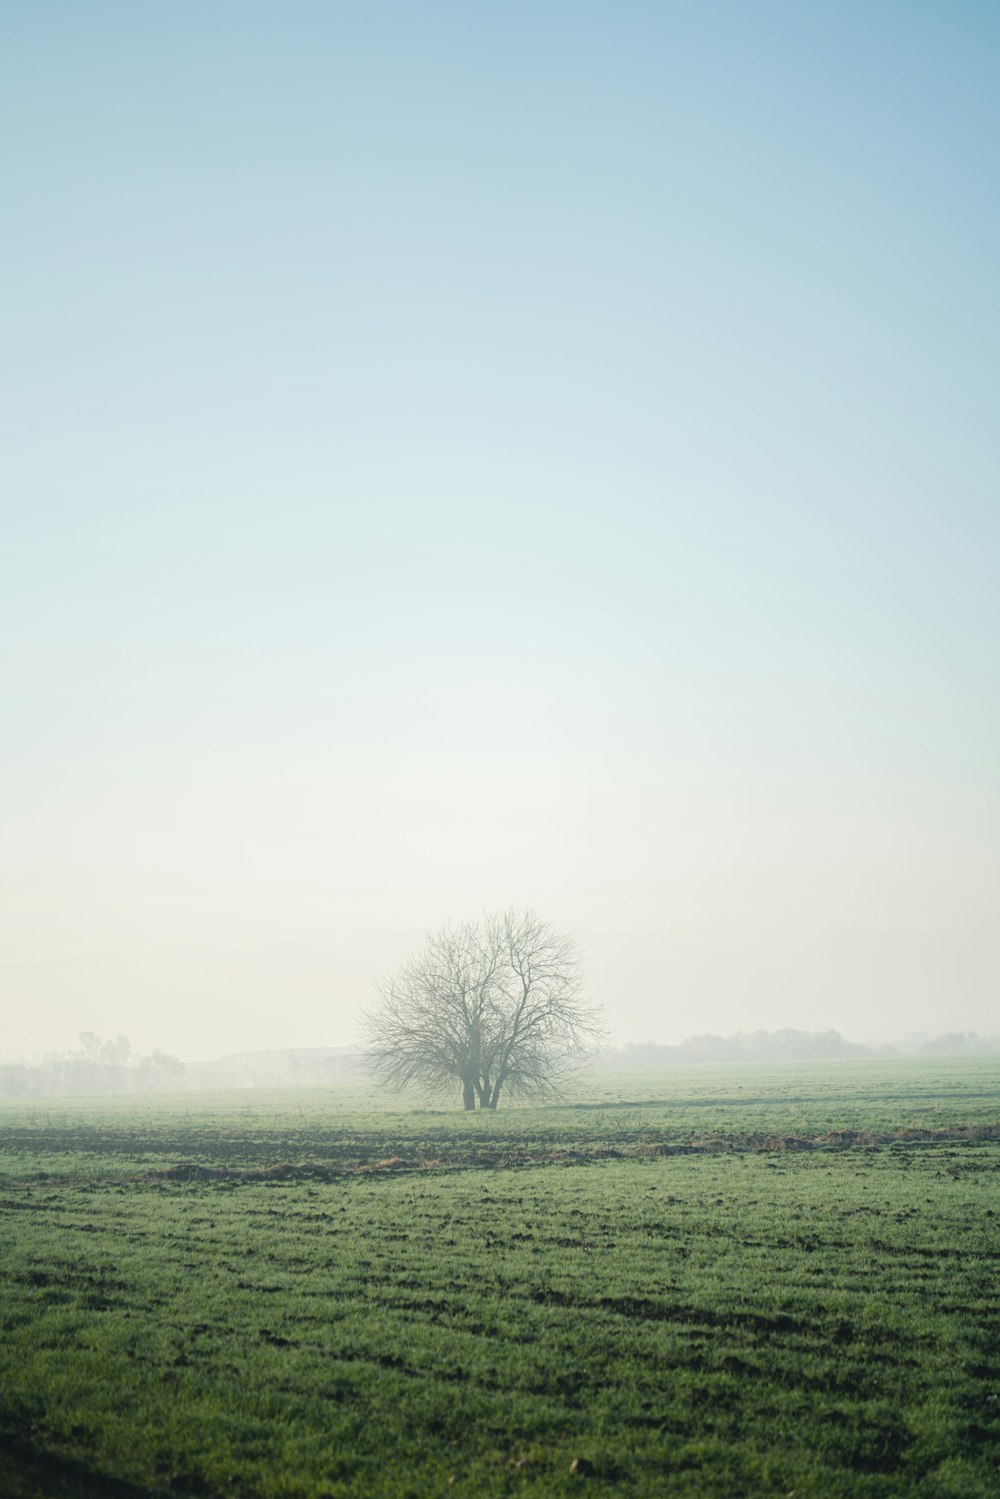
[(99, 1067), (787, 1046), (110, 1067)]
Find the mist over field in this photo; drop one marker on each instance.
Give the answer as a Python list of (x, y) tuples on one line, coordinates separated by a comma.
[(110, 1068), (458, 458)]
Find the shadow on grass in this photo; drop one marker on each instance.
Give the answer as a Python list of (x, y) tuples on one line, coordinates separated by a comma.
[(27, 1473)]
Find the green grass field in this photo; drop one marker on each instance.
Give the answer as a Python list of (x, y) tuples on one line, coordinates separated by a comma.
[(767, 1281)]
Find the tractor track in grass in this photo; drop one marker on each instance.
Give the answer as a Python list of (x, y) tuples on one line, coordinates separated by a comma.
[(505, 1157)]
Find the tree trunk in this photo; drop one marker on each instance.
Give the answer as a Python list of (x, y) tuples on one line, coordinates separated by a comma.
[(468, 1093)]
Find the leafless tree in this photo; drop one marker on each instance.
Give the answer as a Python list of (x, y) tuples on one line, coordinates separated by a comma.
[(494, 1005)]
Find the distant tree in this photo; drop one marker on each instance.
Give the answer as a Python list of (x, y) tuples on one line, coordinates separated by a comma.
[(956, 1041), (492, 1006), (109, 1053), (157, 1073)]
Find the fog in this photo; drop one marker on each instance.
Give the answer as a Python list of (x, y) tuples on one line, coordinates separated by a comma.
[(464, 459)]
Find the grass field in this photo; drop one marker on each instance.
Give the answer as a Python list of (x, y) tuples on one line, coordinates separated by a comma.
[(767, 1281)]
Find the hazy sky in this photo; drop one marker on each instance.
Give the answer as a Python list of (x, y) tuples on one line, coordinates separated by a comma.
[(482, 453)]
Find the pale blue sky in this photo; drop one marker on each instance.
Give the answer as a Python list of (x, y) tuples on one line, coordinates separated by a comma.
[(462, 454)]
